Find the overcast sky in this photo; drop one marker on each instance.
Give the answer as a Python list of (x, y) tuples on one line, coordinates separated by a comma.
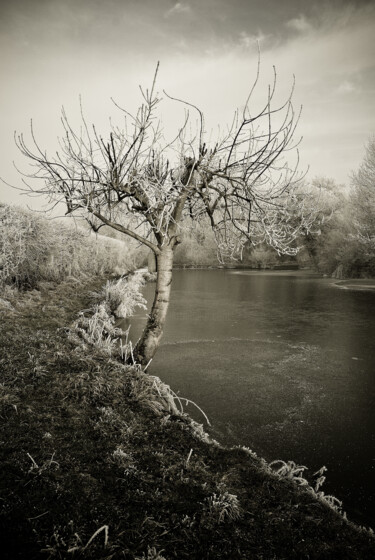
[(52, 51)]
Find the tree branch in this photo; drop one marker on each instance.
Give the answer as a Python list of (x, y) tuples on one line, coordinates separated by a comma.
[(128, 232)]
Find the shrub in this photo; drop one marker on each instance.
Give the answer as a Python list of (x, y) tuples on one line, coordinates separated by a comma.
[(34, 249)]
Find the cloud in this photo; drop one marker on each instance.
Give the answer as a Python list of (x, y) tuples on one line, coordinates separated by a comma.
[(212, 63), (346, 87), (178, 8), (249, 40), (299, 24)]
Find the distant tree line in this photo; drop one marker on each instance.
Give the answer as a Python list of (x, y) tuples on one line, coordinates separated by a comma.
[(343, 245)]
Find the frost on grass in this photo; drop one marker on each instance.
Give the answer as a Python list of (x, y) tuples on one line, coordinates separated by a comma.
[(220, 508), (292, 471), (151, 554), (96, 326), (289, 470), (150, 392), (123, 296)]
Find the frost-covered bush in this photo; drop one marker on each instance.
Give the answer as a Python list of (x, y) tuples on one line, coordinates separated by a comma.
[(122, 296), (34, 249), (96, 328)]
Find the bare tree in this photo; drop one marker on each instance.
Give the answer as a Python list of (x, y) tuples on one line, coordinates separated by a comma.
[(144, 186)]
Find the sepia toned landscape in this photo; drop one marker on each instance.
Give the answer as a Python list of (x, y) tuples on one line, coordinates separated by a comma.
[(187, 280)]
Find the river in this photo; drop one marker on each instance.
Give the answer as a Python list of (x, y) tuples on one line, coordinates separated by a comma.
[(281, 362)]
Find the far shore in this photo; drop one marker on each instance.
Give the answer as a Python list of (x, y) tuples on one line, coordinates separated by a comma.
[(360, 284), (237, 266)]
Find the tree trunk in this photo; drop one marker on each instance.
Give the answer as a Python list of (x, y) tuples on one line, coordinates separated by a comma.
[(151, 262), (150, 339)]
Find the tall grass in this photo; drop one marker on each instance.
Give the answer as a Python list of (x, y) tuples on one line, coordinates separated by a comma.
[(34, 249), (96, 326), (124, 295)]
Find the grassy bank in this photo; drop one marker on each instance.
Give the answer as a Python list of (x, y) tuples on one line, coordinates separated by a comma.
[(98, 461)]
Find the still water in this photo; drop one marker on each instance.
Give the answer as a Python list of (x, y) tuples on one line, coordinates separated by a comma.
[(281, 362)]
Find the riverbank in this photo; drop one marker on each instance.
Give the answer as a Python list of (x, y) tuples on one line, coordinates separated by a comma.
[(238, 266), (98, 461), (357, 284)]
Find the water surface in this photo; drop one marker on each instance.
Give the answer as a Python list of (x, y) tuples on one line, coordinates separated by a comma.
[(282, 362)]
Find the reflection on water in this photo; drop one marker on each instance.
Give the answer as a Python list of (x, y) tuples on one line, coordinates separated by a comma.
[(281, 362)]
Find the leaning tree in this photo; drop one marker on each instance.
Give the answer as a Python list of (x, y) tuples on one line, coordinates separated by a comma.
[(148, 187)]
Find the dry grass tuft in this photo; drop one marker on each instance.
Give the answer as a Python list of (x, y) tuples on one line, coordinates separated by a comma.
[(124, 295)]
